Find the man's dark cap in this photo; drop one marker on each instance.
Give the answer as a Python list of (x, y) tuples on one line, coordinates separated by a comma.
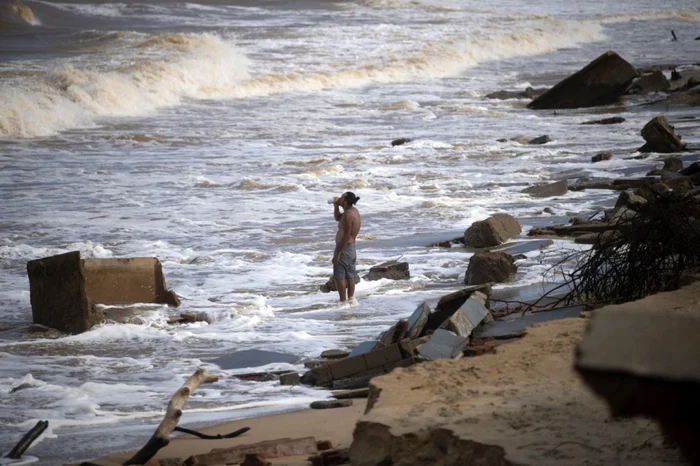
[(351, 198)]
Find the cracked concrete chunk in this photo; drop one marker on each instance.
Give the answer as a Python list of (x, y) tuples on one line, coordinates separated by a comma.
[(443, 344)]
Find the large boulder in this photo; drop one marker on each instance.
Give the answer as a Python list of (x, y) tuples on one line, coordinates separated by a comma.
[(492, 231), (601, 82), (490, 267), (660, 137)]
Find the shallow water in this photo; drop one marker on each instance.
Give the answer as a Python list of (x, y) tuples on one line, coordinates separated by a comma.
[(211, 134)]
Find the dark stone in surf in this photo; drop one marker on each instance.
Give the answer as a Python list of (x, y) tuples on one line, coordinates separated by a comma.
[(540, 140), (601, 157), (673, 164), (605, 121), (330, 285), (528, 93), (490, 267), (660, 137), (601, 82), (492, 231), (548, 190), (401, 141), (392, 270)]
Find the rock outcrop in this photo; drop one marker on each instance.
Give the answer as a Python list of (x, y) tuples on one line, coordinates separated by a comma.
[(558, 188), (493, 231), (490, 267), (601, 82)]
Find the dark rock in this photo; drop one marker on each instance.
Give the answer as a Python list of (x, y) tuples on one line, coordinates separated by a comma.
[(605, 121), (58, 296), (330, 285), (660, 137), (490, 267), (682, 99), (540, 140), (21, 387), (528, 93), (673, 164), (691, 169), (502, 140), (548, 190), (252, 459), (331, 404), (541, 232), (252, 358), (596, 238), (601, 82), (334, 354), (630, 200), (190, 317), (492, 231), (400, 141), (675, 76), (290, 378), (664, 174), (392, 270), (600, 157), (654, 82), (549, 210), (441, 244)]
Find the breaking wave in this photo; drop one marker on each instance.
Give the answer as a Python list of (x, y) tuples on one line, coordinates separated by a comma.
[(205, 66)]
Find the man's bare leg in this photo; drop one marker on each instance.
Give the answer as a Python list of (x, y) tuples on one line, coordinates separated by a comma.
[(341, 289), (351, 288)]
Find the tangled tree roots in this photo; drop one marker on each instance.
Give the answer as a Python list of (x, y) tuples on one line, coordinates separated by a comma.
[(642, 255)]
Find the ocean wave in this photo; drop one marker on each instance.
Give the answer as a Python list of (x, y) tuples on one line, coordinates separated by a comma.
[(690, 16), (17, 14), (183, 66)]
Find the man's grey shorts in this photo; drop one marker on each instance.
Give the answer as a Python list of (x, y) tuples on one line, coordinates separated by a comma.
[(345, 268)]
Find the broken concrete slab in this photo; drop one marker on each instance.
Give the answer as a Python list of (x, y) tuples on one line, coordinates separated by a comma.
[(57, 294), (334, 354), (467, 318), (523, 247), (395, 334), (443, 344), (364, 347), (500, 328), (558, 188), (253, 358), (278, 448), (418, 320)]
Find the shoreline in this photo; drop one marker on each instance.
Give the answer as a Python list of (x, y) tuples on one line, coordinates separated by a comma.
[(336, 425)]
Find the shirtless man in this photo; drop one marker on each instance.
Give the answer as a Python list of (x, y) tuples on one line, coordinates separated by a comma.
[(344, 257)]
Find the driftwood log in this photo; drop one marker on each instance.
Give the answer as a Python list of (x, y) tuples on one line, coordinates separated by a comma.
[(161, 437), (27, 440)]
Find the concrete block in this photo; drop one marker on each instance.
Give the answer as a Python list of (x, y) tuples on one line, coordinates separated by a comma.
[(395, 334), (418, 320), (57, 294), (506, 327), (125, 281), (443, 344), (364, 347), (348, 367), (383, 356), (467, 318)]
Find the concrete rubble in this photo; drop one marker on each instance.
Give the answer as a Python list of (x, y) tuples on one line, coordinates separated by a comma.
[(64, 289)]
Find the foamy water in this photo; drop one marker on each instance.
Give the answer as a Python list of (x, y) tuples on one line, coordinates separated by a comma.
[(211, 134)]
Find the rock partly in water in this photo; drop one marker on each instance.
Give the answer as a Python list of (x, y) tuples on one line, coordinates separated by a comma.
[(290, 378), (540, 140), (660, 137), (630, 200), (601, 157), (331, 285), (334, 354), (528, 93), (654, 82), (393, 270), (491, 232), (330, 404), (490, 267), (605, 121), (401, 141), (548, 190), (601, 82), (673, 164)]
